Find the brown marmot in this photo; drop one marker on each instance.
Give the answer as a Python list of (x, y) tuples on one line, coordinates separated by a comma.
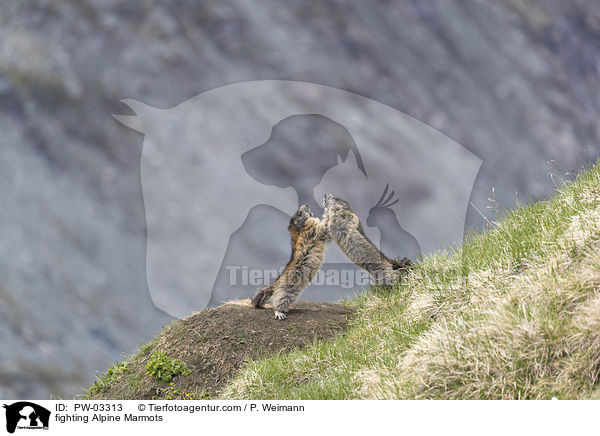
[(344, 227), (308, 237)]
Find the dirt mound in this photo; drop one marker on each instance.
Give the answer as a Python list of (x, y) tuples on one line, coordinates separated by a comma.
[(213, 344)]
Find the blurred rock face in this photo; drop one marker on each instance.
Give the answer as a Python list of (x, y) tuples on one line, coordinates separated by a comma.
[(514, 82)]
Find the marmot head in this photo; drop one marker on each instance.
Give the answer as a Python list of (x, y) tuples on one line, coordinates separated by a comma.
[(300, 218), (331, 203)]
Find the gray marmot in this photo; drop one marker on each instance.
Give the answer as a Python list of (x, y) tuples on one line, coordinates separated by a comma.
[(345, 229), (309, 237)]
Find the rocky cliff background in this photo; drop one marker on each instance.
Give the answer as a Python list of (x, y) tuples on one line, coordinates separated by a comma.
[(514, 81)]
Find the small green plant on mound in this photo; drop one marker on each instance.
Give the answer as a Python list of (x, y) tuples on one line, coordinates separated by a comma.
[(164, 368), (106, 380)]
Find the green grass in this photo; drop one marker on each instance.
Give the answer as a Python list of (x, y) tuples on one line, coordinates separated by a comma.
[(108, 378), (512, 314)]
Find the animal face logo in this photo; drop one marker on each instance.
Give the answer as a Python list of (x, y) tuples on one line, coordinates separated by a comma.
[(223, 172), (382, 207), (26, 415), (393, 237)]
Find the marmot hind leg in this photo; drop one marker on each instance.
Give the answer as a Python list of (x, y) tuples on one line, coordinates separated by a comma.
[(401, 264), (280, 315), (283, 300), (261, 296)]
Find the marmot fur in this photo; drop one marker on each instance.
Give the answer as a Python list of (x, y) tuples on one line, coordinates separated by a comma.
[(344, 227), (308, 239)]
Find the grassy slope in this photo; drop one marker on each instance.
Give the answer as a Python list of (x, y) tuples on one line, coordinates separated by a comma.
[(515, 313)]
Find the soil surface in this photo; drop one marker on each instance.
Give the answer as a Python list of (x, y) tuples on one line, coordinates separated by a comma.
[(215, 343)]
